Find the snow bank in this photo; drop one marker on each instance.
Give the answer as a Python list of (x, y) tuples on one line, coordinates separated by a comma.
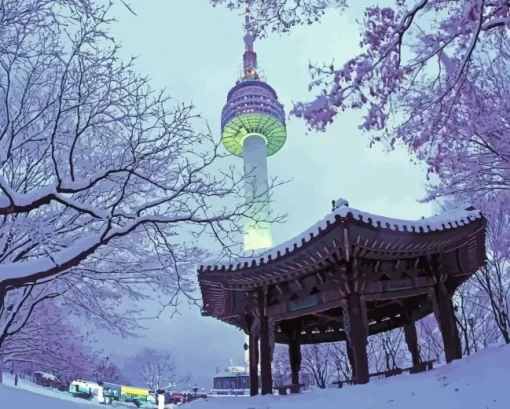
[(28, 395), (476, 382), (18, 398)]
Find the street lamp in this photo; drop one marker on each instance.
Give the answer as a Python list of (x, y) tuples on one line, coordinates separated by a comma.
[(245, 346)]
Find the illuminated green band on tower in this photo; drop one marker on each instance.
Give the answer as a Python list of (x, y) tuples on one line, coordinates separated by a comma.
[(272, 130)]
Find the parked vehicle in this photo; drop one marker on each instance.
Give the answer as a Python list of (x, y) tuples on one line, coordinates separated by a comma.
[(111, 392), (83, 389), (138, 396)]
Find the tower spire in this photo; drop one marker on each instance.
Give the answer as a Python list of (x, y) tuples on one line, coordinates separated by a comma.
[(249, 56)]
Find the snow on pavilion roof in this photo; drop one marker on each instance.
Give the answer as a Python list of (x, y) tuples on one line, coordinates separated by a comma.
[(445, 221)]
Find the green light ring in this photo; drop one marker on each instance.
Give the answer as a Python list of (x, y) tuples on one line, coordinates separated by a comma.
[(253, 134), (240, 127)]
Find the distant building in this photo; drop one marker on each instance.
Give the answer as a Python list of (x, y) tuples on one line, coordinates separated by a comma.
[(47, 380), (234, 378)]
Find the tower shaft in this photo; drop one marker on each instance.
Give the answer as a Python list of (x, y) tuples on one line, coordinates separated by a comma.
[(253, 127), (257, 233)]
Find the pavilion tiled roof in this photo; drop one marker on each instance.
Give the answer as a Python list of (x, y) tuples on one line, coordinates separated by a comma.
[(446, 221)]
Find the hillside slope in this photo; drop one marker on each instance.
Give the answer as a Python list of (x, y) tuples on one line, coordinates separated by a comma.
[(39, 398), (481, 381)]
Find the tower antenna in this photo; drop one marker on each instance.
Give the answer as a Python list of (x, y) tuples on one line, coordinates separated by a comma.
[(249, 56), (249, 37)]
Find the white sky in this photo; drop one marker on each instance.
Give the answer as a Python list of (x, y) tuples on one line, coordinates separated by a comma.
[(195, 51)]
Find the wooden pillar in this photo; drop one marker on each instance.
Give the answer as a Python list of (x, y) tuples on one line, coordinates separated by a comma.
[(294, 359), (254, 364), (445, 316), (357, 333), (350, 357), (266, 376), (411, 338)]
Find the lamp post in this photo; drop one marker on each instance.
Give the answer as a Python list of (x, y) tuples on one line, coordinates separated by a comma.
[(471, 322)]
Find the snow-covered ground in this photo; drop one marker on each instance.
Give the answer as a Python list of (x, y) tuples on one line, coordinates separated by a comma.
[(476, 382), (481, 381), (27, 395)]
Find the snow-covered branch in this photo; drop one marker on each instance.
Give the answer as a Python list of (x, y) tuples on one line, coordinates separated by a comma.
[(100, 173), (281, 15)]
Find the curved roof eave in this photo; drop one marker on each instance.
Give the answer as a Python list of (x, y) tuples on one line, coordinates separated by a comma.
[(446, 221)]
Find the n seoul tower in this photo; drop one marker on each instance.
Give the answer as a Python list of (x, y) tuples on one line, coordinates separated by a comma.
[(253, 127)]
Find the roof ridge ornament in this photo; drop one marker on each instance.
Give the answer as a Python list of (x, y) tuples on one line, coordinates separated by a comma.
[(340, 202)]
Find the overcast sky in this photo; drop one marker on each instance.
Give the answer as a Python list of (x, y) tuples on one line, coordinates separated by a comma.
[(195, 51)]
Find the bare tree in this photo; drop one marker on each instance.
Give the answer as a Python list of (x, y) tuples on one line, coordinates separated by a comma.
[(391, 347), (375, 359), (485, 331), (339, 361), (430, 340), (316, 361), (464, 308), (28, 320), (104, 370), (158, 369), (21, 304), (281, 367), (105, 183), (494, 279), (49, 342)]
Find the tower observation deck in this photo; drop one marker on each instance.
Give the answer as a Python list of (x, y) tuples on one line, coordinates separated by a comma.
[(253, 127)]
